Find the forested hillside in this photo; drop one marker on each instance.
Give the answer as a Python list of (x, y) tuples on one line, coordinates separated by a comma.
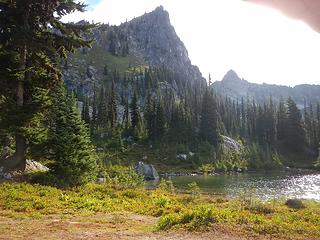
[(135, 87)]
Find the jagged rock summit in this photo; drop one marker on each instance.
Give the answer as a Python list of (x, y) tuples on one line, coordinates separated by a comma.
[(148, 40), (153, 37)]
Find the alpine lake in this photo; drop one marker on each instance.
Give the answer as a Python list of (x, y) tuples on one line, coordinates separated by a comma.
[(261, 185)]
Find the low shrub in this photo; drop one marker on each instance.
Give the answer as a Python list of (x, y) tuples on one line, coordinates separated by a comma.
[(295, 203)]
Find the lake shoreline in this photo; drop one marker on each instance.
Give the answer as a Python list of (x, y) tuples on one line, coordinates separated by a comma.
[(198, 173)]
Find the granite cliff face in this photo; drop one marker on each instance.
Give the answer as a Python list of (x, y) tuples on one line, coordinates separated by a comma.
[(149, 40), (236, 88), (153, 38)]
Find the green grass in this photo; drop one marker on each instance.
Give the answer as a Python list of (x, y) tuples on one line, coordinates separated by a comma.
[(99, 57), (175, 210)]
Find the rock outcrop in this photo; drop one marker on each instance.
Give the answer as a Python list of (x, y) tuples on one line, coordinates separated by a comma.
[(231, 144), (147, 171), (31, 166)]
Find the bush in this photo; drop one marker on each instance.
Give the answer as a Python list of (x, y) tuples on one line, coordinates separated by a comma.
[(196, 219), (167, 221), (194, 189), (206, 168), (123, 177), (295, 204), (202, 218), (166, 185)]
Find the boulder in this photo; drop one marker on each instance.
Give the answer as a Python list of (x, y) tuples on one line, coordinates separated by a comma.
[(5, 175), (101, 179), (231, 144), (182, 156), (33, 166), (147, 171)]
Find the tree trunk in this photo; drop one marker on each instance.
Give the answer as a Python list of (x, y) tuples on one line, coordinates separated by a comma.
[(19, 157)]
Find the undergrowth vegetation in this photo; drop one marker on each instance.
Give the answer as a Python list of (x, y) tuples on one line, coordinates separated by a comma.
[(192, 211)]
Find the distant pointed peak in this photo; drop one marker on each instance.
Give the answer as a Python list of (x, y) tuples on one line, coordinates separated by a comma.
[(231, 75)]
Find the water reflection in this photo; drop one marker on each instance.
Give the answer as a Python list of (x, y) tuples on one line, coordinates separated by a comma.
[(262, 185)]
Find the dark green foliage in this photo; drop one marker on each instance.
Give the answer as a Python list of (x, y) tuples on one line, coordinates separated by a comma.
[(295, 134), (29, 51), (209, 119), (85, 115), (69, 143), (172, 120), (160, 123), (281, 121), (150, 117), (102, 115), (295, 203), (112, 108), (94, 118), (126, 118), (134, 111)]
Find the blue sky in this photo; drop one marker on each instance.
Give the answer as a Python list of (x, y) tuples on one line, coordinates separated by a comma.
[(91, 4), (259, 43)]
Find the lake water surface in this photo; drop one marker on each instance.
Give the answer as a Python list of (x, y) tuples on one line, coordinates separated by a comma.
[(261, 185)]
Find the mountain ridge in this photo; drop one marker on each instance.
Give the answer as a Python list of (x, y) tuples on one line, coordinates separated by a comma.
[(236, 88)]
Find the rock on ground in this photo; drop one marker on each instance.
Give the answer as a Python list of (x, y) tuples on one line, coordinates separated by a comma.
[(147, 170)]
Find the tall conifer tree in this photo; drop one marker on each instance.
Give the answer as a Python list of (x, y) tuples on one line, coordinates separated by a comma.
[(29, 51), (209, 119)]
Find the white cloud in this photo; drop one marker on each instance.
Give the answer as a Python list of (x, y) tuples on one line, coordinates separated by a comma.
[(259, 43)]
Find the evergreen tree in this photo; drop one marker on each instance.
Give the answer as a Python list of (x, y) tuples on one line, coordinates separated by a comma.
[(69, 143), (102, 115), (281, 120), (105, 70), (112, 108), (125, 119), (209, 119), (94, 111), (85, 111), (150, 117), (260, 132), (243, 130), (134, 111), (160, 123), (295, 135), (29, 51), (270, 124)]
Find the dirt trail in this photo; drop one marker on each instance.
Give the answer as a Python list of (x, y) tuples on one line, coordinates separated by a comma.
[(110, 227)]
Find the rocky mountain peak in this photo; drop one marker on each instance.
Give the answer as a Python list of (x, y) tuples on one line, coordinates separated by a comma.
[(158, 16), (148, 40), (231, 75), (154, 38)]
